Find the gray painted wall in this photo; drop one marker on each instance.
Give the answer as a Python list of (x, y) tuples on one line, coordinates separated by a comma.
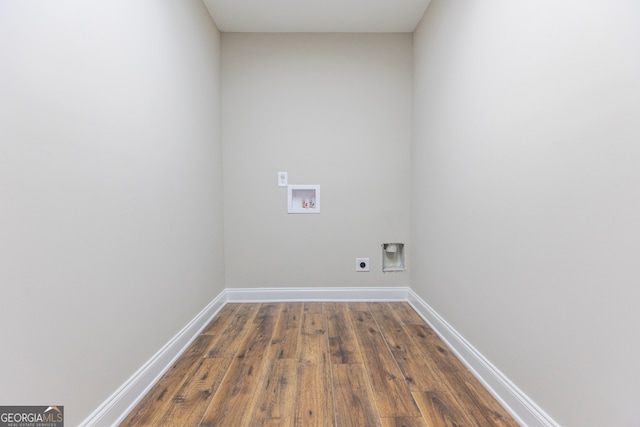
[(110, 191), (330, 109), (523, 177), (526, 194)]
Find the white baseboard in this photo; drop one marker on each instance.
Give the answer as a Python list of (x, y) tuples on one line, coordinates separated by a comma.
[(122, 401), (399, 293), (523, 409)]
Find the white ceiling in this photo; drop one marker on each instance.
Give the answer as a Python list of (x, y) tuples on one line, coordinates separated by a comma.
[(360, 16)]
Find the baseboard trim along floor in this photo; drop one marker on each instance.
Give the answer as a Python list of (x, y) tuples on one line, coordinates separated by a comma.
[(317, 294), (519, 405), (123, 400)]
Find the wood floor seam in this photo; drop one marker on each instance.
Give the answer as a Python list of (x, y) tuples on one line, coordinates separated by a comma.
[(360, 364)]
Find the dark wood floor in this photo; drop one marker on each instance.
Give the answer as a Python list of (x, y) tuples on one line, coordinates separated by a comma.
[(318, 364)]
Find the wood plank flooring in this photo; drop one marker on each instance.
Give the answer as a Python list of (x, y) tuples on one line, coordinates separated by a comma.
[(318, 364)]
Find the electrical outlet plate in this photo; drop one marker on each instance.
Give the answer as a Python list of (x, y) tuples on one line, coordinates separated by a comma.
[(362, 264), (282, 179)]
